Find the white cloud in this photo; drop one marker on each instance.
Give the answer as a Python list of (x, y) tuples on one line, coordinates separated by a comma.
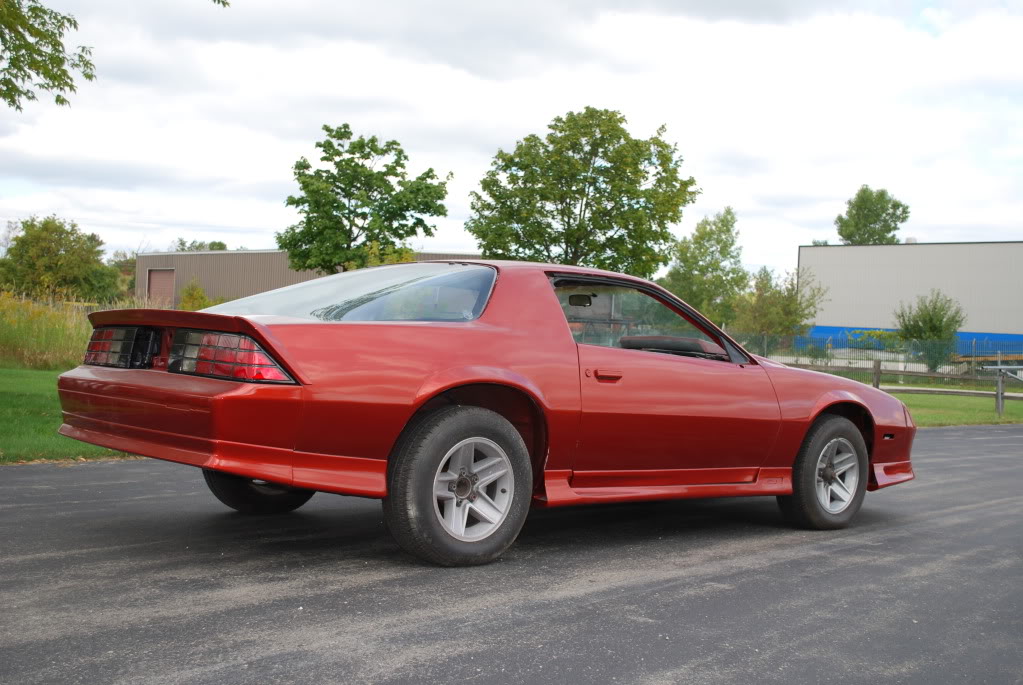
[(781, 109)]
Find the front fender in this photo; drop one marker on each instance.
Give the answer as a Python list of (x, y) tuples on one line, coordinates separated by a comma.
[(885, 411)]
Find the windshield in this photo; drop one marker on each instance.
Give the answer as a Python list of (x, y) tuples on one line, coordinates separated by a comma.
[(403, 292)]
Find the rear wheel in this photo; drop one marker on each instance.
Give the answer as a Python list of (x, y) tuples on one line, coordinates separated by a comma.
[(459, 488), (251, 496), (829, 478)]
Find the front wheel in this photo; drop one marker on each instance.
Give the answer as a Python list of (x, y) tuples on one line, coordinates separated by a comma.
[(829, 478), (459, 488), (250, 496)]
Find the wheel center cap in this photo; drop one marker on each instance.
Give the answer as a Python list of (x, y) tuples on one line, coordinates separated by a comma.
[(829, 474), (463, 486)]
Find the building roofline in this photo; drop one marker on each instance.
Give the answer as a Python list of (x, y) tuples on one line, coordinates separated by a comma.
[(154, 254), (468, 255), (948, 242)]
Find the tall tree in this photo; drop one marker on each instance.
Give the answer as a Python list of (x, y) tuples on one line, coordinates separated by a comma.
[(52, 256), (361, 196), (706, 269), (33, 55), (872, 217), (779, 305), (586, 193)]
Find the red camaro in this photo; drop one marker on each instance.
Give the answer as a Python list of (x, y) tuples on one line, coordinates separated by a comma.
[(461, 393)]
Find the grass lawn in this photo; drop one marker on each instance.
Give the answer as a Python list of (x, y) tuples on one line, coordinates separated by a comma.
[(30, 416), (938, 410)]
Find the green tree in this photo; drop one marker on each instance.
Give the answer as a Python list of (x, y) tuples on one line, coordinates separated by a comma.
[(778, 305), (362, 196), (587, 193), (707, 270), (872, 217), (124, 262), (181, 245), (33, 55), (51, 256), (931, 324)]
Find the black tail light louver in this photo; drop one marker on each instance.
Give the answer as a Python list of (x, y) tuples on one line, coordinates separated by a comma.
[(123, 347)]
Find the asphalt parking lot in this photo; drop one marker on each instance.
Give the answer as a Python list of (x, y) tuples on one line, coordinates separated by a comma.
[(132, 572)]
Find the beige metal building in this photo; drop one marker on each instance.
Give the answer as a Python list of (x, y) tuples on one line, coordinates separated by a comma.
[(161, 276), (866, 283)]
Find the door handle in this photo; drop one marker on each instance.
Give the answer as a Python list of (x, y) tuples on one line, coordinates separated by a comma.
[(607, 375)]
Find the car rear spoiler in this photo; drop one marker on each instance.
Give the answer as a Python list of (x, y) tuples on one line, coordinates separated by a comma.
[(173, 318)]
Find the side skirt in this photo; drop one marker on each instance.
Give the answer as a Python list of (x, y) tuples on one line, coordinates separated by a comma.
[(565, 487)]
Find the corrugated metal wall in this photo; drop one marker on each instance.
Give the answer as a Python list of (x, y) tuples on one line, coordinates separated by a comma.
[(866, 283), (234, 273)]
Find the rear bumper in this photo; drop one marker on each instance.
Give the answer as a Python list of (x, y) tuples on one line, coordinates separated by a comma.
[(241, 428), (253, 461)]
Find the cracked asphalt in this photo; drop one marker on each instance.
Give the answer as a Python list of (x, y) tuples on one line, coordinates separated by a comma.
[(131, 572)]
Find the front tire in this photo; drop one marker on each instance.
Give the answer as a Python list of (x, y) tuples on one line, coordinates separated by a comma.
[(251, 496), (829, 479), (460, 486)]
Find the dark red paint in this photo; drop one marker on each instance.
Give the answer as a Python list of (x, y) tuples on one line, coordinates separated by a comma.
[(602, 424)]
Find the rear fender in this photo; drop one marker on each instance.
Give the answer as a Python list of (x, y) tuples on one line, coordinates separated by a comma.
[(450, 379), (443, 380)]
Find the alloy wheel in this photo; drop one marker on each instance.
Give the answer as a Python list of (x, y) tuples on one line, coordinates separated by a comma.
[(837, 475), (473, 489)]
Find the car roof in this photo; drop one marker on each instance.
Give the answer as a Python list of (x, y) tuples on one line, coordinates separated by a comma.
[(541, 266)]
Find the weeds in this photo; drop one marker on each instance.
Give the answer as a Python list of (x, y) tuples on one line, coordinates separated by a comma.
[(47, 335)]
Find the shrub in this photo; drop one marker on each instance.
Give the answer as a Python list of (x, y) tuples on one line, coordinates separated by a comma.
[(819, 354), (193, 297), (875, 339), (932, 322)]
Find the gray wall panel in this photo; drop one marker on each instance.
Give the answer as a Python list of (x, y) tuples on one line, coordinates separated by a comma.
[(866, 283)]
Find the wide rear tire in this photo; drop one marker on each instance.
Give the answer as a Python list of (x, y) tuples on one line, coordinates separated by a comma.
[(829, 478), (459, 488), (251, 496)]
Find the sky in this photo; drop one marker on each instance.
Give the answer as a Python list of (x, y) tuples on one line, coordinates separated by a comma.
[(780, 109)]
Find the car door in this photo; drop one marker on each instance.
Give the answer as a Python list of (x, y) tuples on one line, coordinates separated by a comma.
[(660, 393)]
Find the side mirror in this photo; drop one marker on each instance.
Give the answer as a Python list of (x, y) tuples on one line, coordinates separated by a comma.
[(580, 301)]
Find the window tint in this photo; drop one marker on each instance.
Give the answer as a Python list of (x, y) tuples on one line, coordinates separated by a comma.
[(403, 292), (600, 314)]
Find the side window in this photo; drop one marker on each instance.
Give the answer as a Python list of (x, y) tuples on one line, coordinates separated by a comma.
[(620, 316)]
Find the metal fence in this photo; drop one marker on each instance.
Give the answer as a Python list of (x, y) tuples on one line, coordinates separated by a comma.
[(957, 363)]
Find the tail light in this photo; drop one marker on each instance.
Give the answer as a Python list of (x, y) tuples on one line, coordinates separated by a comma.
[(125, 348), (223, 355)]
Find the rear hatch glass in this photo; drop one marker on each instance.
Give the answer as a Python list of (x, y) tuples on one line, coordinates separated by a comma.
[(401, 292)]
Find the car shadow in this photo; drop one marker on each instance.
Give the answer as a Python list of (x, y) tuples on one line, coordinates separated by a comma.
[(346, 528)]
